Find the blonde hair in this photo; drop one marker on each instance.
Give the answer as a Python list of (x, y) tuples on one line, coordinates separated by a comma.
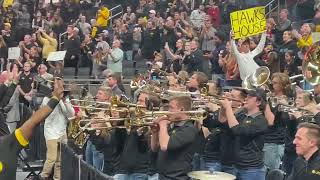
[(284, 81), (184, 102), (106, 90)]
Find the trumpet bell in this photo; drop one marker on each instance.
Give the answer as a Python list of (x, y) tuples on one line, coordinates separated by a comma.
[(246, 83), (260, 77)]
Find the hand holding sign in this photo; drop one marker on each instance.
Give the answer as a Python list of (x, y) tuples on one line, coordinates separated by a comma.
[(248, 22)]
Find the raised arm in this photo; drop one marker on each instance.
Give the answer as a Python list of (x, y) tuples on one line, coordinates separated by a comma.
[(26, 129), (261, 44)]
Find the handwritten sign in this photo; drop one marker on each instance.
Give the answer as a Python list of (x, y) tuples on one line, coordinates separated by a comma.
[(14, 53), (248, 22), (57, 56)]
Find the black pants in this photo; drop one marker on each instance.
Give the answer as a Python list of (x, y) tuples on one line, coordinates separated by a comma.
[(75, 62), (3, 125)]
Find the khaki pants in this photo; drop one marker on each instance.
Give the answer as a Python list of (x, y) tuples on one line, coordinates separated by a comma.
[(53, 161)]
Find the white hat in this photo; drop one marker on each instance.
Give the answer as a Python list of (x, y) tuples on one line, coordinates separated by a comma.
[(152, 11)]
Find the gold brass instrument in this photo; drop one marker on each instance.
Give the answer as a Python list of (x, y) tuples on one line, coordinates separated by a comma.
[(114, 103), (79, 139), (292, 109), (194, 115), (144, 119), (311, 65), (181, 92), (258, 79)]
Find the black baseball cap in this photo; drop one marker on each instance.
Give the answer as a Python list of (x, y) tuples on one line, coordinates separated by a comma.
[(259, 92)]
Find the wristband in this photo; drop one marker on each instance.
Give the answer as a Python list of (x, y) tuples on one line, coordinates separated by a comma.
[(53, 102)]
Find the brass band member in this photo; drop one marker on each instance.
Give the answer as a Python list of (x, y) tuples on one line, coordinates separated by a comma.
[(307, 141), (219, 154), (274, 137), (305, 101), (197, 81), (174, 142), (136, 158), (111, 142), (248, 131), (93, 156)]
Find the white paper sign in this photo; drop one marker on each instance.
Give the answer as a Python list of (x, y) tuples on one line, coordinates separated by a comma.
[(315, 37), (57, 56), (14, 53)]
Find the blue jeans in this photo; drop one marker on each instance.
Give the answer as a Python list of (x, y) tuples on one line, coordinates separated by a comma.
[(133, 176), (128, 55), (212, 166), (153, 177), (229, 169), (197, 162), (273, 154), (251, 174), (94, 157)]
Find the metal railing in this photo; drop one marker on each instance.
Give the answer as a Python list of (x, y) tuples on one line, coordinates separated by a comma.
[(60, 39), (271, 7), (114, 12)]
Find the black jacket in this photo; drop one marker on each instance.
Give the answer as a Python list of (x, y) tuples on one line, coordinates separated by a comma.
[(194, 61), (306, 170), (72, 46), (5, 96)]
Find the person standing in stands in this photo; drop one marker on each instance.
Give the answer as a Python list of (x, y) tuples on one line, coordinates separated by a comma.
[(275, 135), (219, 153), (72, 46), (249, 135), (136, 158), (115, 57), (7, 88), (174, 141), (114, 82), (194, 58), (244, 56), (55, 133), (25, 84)]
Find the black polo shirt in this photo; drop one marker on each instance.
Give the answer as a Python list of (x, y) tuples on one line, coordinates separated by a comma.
[(25, 82), (10, 146), (249, 140), (175, 163)]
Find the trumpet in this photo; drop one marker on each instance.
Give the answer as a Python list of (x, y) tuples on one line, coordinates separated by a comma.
[(90, 102), (181, 92), (194, 115), (292, 109), (128, 123)]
